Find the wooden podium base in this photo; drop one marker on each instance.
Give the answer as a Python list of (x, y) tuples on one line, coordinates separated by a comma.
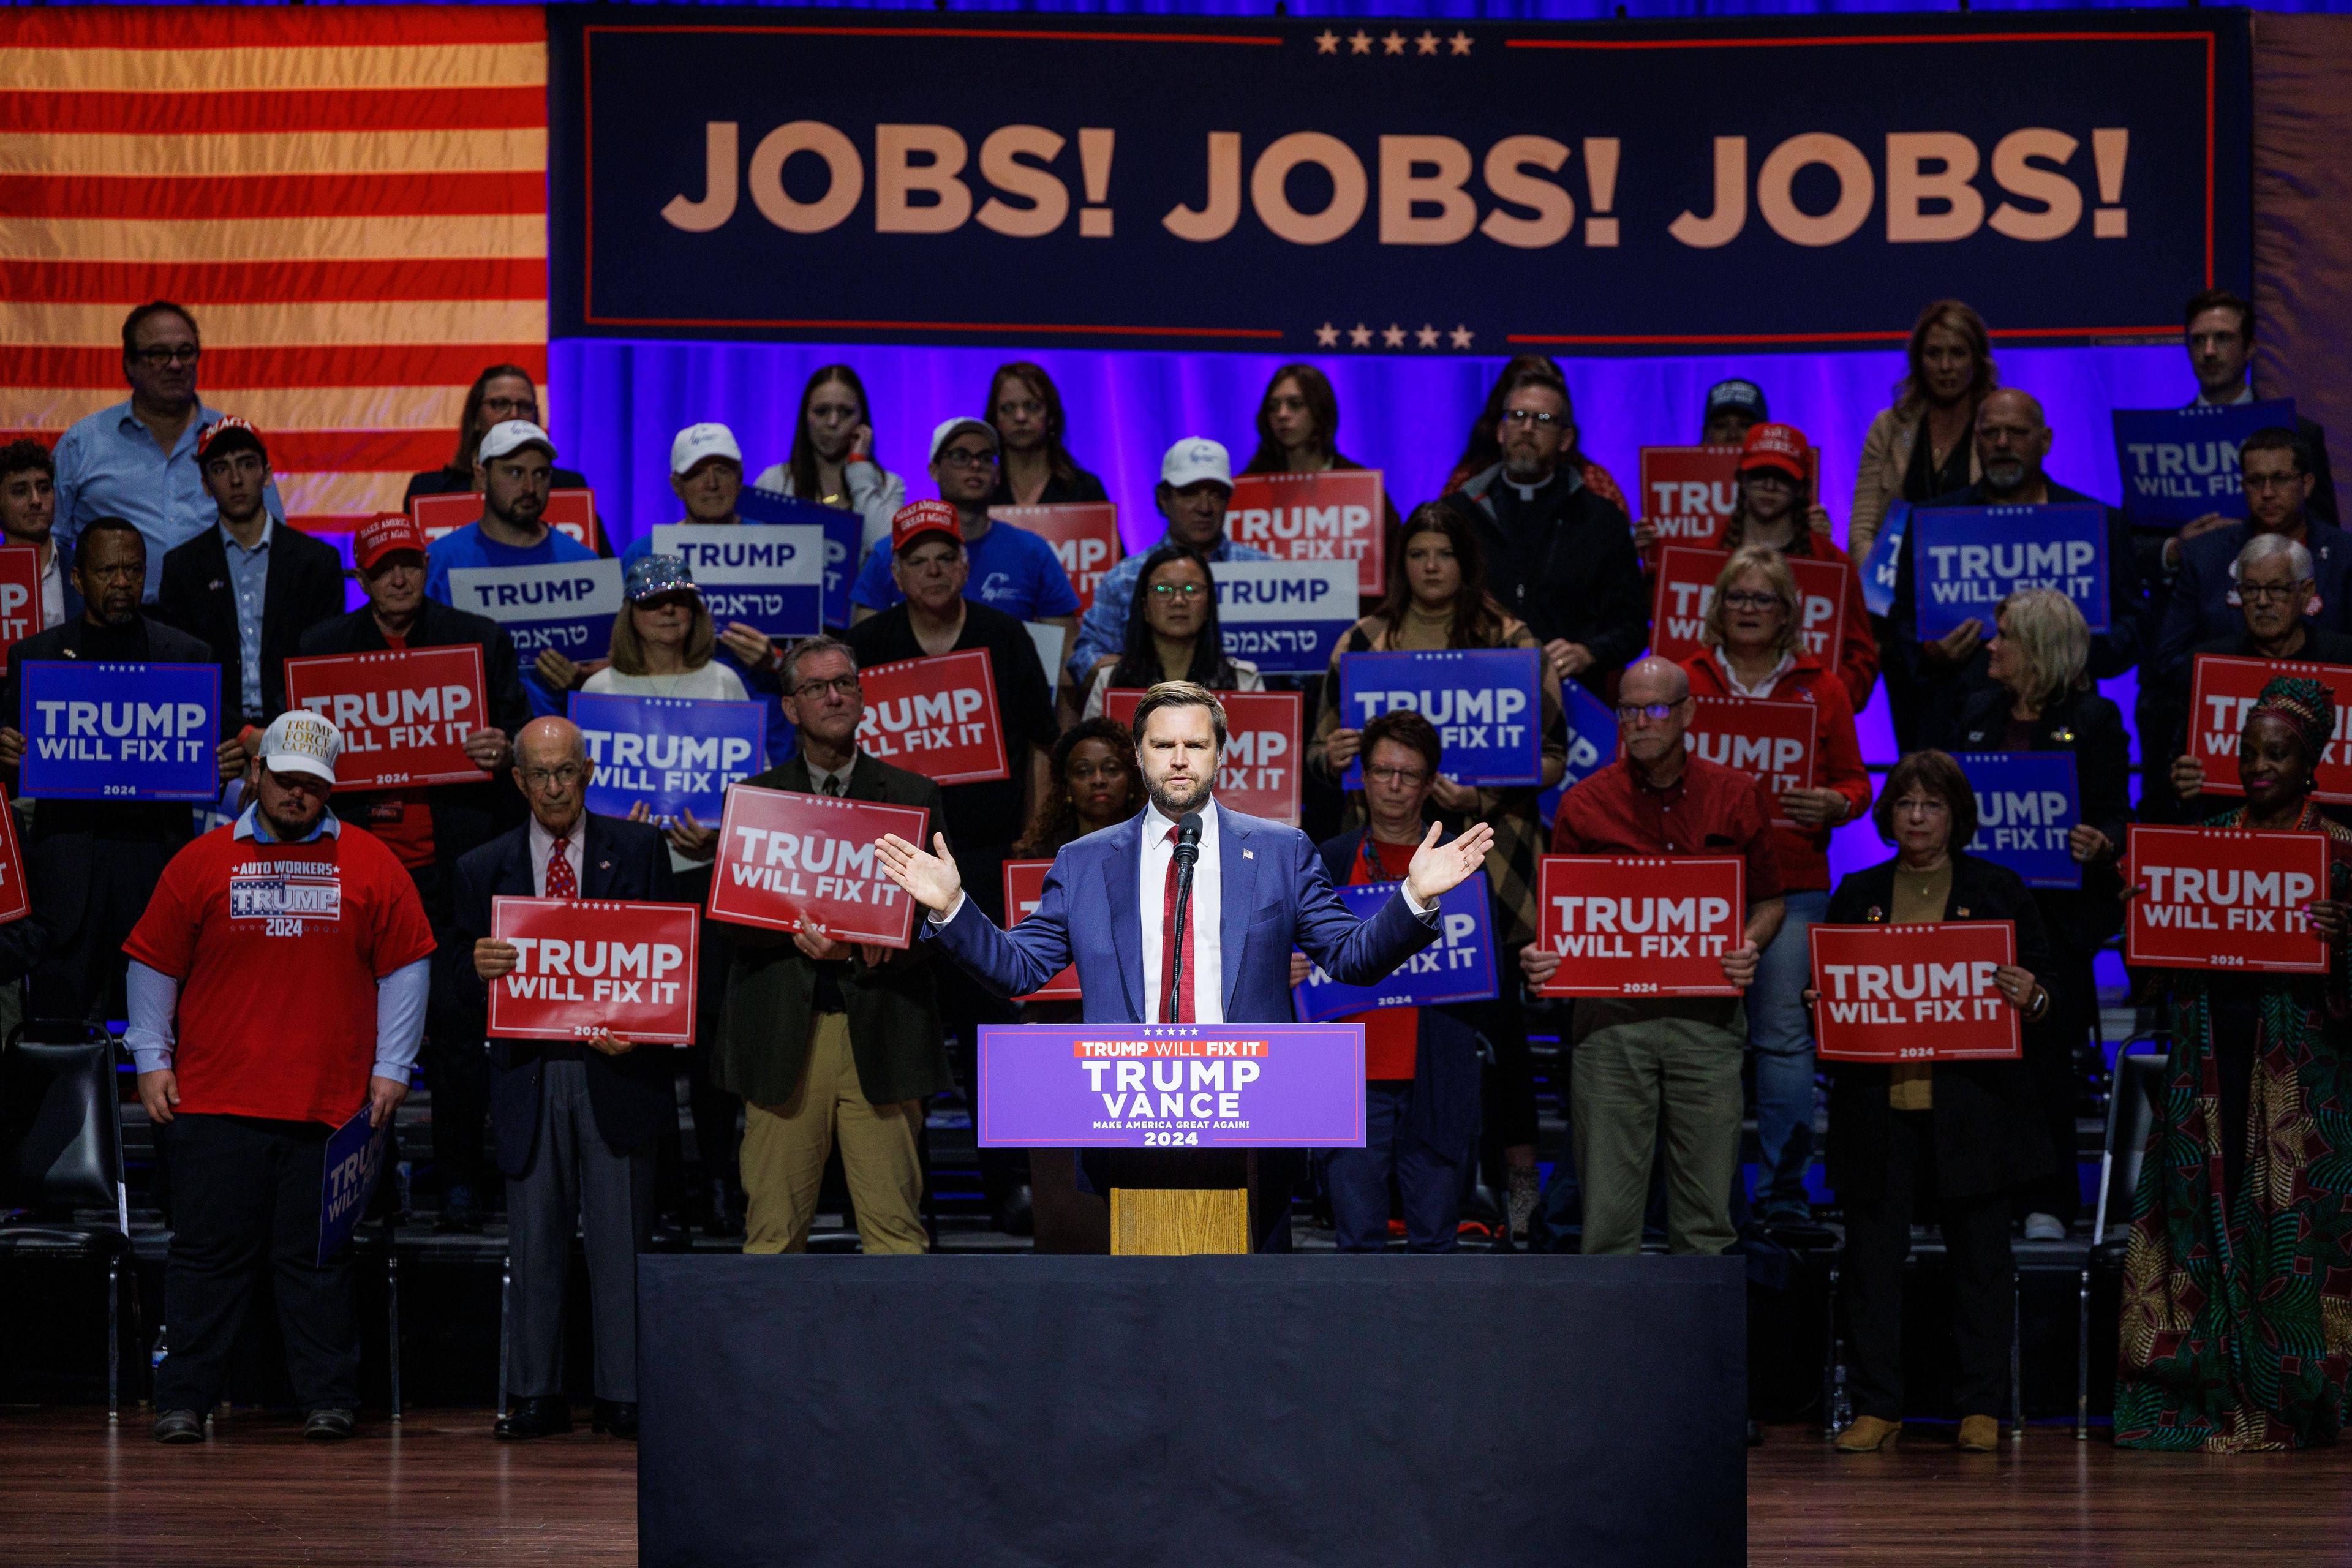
[(1170, 1222)]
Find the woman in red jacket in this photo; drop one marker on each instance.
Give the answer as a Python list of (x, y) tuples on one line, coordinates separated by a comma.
[(1778, 509), (1756, 650)]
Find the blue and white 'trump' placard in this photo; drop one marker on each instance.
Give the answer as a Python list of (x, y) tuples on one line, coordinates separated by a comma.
[(1965, 559), (675, 753), (99, 731), (1285, 616)]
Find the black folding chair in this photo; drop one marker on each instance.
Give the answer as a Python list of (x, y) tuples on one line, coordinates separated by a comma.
[(2132, 1098), (61, 1150)]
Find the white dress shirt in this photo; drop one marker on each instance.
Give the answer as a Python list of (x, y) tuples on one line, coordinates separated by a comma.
[(53, 591), (543, 849), (1207, 959)]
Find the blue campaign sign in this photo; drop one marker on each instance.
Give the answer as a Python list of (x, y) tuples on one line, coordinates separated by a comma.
[(844, 531), (2027, 803), (1967, 559), (1459, 966), (771, 577), (1592, 745), (567, 606), (1286, 616), (121, 731), (354, 1159), (675, 753), (2179, 464), (1880, 567), (1482, 701)]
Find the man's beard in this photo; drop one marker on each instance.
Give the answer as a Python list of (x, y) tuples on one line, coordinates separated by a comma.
[(2004, 474), (281, 830), (121, 617), (1172, 805), (1526, 469)]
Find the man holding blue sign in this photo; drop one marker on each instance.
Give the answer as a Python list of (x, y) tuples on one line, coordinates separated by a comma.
[(2221, 343)]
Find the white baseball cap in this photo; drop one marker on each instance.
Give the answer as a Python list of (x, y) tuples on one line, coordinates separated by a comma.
[(696, 442), (301, 741), (1194, 459), (948, 430), (513, 435)]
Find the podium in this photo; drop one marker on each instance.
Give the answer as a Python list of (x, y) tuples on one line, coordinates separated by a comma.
[(1169, 1118)]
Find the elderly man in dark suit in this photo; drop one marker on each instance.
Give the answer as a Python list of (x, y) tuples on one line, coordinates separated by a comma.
[(825, 1039), (574, 1124)]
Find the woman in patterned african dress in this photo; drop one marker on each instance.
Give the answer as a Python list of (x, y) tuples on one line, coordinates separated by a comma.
[(2237, 1294)]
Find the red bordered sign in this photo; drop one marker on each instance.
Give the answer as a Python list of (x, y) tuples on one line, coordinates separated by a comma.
[(404, 714), (2221, 689), (1085, 537), (2216, 898), (1640, 925), (590, 965), (1687, 587), (20, 597), (1336, 515), (1025, 886), (571, 514), (1777, 742), (1688, 493), (15, 899), (1913, 993), (936, 717), (1258, 774), (786, 857)]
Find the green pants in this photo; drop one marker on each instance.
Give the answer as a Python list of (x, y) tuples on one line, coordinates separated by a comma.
[(1627, 1079)]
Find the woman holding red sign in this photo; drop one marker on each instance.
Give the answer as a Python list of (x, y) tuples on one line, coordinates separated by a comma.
[(2237, 1305), (1299, 429), (1756, 649), (1952, 1139), (1778, 508)]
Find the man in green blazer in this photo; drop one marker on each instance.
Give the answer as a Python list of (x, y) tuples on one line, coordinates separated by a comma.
[(825, 1038)]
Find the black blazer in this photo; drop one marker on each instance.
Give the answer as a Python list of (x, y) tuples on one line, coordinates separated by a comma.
[(464, 815), (304, 587), (1987, 1116), (2078, 920), (634, 1096)]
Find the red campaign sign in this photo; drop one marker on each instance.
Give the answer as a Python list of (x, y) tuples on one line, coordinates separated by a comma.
[(936, 717), (1337, 515), (2220, 898), (785, 857), (1258, 774), (15, 899), (1775, 741), (20, 598), (405, 714), (2221, 689), (1084, 534), (1025, 886), (1638, 925), (1687, 587), (570, 513), (585, 966), (1688, 493), (1913, 993)]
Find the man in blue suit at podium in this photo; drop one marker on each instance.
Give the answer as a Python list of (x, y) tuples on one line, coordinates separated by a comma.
[(1110, 905)]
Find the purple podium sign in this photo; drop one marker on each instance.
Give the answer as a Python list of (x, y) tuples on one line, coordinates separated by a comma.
[(1171, 1085)]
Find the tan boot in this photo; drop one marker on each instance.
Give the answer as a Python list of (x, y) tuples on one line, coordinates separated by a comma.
[(1979, 1434), (1868, 1435)]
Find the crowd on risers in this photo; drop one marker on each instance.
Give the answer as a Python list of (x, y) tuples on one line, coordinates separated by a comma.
[(158, 535)]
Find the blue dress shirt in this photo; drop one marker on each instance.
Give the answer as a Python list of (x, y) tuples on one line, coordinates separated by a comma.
[(109, 465)]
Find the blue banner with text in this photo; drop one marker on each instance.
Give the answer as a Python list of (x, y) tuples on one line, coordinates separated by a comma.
[(1965, 559), (99, 731), (2027, 805), (1482, 701), (2181, 464), (675, 753), (1459, 966)]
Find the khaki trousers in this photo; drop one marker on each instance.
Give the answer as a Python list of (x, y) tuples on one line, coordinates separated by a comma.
[(784, 1150), (1627, 1078)]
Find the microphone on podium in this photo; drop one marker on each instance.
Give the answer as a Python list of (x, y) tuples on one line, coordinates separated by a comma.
[(1188, 840), (1188, 853)]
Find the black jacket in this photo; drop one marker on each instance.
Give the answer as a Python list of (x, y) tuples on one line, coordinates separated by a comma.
[(464, 815), (634, 1096), (2078, 919), (1988, 1117), (305, 586), (1584, 584)]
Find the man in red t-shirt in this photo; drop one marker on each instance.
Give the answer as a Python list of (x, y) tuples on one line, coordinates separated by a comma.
[(277, 986), (1421, 1063), (1641, 1061)]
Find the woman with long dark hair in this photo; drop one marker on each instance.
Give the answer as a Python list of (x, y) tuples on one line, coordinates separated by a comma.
[(832, 462), (1034, 467), (502, 393), (1298, 430), (1171, 634)]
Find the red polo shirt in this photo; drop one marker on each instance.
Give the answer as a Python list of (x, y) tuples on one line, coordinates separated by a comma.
[(1710, 810)]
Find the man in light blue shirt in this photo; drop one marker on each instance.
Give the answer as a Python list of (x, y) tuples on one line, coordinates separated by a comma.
[(1196, 480), (138, 459)]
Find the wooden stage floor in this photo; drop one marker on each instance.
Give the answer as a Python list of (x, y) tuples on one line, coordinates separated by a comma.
[(437, 1491)]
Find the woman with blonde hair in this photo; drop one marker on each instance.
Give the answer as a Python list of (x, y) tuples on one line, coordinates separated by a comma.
[(1755, 638), (1924, 446), (2041, 700)]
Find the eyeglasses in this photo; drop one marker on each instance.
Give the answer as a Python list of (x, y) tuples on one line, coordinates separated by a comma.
[(2273, 593), (1411, 778), (1920, 805), (1171, 590), (161, 354), (844, 684), (966, 457), (568, 776), (1655, 713), (1524, 417), (1751, 601), (513, 407)]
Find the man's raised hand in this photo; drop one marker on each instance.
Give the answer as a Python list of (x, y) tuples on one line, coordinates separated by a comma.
[(931, 881), (1438, 869)]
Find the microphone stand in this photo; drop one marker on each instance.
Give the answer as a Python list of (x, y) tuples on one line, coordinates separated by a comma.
[(1188, 852)]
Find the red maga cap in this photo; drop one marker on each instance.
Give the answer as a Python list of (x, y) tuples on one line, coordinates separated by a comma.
[(920, 518), (1780, 446), (383, 534)]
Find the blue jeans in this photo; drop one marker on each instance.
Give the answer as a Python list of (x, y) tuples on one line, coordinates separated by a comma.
[(1429, 1181), (1781, 1037)]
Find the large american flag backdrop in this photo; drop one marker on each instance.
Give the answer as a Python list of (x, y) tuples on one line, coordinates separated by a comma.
[(351, 199)]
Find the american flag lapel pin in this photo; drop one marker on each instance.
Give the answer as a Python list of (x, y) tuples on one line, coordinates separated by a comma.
[(1249, 854)]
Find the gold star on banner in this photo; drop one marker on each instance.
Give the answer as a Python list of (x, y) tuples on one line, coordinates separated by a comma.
[(1326, 42), (1460, 42), (1427, 42), (1359, 42), (1394, 336), (1393, 43), (1327, 336), (1462, 336), (1426, 337), (1359, 336)]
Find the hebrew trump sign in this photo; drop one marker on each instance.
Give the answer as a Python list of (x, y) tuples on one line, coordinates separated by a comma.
[(1377, 185)]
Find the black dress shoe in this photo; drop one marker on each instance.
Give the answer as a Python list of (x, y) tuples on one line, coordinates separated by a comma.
[(330, 1426), (1015, 1213), (547, 1417), (179, 1426), (617, 1416)]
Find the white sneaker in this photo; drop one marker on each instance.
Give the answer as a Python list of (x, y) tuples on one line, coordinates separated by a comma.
[(2044, 1227)]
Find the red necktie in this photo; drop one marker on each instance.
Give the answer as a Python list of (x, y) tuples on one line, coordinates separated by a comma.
[(1184, 1014), (561, 883)]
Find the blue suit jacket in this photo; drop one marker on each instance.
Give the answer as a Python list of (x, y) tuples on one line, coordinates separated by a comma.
[(1276, 895)]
